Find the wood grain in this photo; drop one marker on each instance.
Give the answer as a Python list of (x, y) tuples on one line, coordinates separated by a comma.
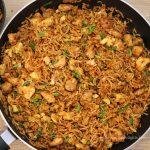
[(12, 6)]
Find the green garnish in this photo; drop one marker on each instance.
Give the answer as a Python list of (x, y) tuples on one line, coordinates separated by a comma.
[(78, 107), (38, 134), (38, 91), (43, 83), (130, 52), (124, 108), (26, 83), (76, 75), (66, 53), (53, 135), (102, 112), (32, 45), (56, 94), (102, 35), (147, 72), (84, 23), (88, 142), (37, 100), (113, 48), (41, 34), (16, 66), (47, 4), (66, 138), (131, 121), (54, 62), (92, 28)]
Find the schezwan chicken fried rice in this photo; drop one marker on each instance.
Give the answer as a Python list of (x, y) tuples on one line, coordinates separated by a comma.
[(75, 78)]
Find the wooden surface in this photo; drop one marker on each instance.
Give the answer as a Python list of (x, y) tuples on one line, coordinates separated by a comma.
[(13, 6)]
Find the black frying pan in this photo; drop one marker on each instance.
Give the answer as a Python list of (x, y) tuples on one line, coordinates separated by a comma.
[(2, 9), (139, 23)]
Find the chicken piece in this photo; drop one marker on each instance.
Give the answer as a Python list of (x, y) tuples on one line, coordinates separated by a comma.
[(107, 101), (47, 22), (13, 81), (17, 49), (137, 40), (56, 141), (117, 135), (86, 98), (77, 22), (6, 87), (137, 50), (79, 146), (61, 62), (71, 85), (91, 63), (27, 91), (119, 44), (2, 69), (36, 20), (128, 39), (85, 120), (90, 53), (141, 63), (73, 64), (115, 33), (54, 118), (12, 38), (66, 115), (46, 60), (49, 97), (65, 7), (74, 51), (35, 75), (63, 18)]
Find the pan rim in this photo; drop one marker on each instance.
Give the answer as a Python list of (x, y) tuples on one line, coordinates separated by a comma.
[(3, 31)]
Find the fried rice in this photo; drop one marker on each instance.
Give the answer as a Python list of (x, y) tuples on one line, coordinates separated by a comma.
[(75, 78)]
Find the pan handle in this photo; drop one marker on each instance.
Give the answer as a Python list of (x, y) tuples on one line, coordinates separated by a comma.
[(6, 138)]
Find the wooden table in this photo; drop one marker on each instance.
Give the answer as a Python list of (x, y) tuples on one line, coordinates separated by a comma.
[(13, 6)]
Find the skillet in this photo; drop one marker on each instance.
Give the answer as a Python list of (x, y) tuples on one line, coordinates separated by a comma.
[(139, 23)]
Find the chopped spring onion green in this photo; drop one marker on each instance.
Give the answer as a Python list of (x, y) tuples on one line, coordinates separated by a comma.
[(84, 23), (124, 108), (26, 83), (41, 34), (113, 48), (102, 35), (130, 52), (76, 75), (131, 121), (78, 107), (88, 142), (16, 66), (56, 94), (53, 135), (47, 4), (38, 134), (42, 83), (66, 138), (38, 91), (36, 100), (147, 72), (92, 28), (102, 112), (66, 53), (32, 45), (15, 109)]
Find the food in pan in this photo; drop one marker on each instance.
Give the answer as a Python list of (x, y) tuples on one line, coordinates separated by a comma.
[(75, 78)]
